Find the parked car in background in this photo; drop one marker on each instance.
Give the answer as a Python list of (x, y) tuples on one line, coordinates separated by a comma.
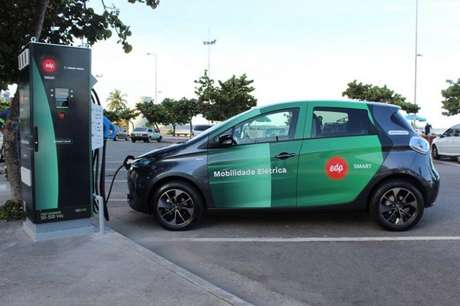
[(200, 128), (121, 134), (447, 144), (145, 134)]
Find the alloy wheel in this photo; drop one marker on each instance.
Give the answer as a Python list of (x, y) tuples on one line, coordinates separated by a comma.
[(176, 207), (398, 206)]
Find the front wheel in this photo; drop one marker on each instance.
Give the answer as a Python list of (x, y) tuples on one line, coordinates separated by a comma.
[(159, 139), (435, 153), (133, 140), (177, 206), (397, 205)]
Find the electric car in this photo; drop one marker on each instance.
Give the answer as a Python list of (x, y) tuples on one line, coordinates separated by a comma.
[(295, 155)]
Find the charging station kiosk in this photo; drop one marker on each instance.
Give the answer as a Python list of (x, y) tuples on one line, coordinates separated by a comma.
[(55, 139)]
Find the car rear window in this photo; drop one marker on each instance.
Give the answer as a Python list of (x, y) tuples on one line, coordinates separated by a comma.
[(340, 122), (140, 129)]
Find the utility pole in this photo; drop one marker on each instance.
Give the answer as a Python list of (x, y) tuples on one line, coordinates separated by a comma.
[(416, 51), (209, 43), (155, 58)]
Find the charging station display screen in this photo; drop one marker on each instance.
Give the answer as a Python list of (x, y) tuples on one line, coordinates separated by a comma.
[(62, 97)]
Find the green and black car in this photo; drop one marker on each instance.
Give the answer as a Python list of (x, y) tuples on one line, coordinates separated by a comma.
[(295, 155)]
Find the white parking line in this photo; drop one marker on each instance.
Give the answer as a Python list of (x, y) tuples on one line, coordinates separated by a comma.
[(312, 239)]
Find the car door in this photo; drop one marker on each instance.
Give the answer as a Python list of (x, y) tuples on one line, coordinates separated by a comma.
[(444, 142), (259, 169), (455, 141), (340, 156)]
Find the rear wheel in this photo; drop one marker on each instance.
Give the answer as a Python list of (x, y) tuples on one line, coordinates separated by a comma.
[(159, 139), (133, 140), (397, 205), (435, 153), (177, 206)]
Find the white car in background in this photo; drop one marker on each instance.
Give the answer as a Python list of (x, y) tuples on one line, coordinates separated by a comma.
[(447, 144)]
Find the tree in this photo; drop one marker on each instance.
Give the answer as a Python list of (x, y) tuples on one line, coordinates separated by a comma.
[(53, 21), (154, 113), (121, 117), (369, 92), (188, 108), (116, 101), (451, 95), (229, 98), (173, 113)]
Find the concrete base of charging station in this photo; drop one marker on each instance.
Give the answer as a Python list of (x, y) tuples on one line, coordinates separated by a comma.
[(39, 232)]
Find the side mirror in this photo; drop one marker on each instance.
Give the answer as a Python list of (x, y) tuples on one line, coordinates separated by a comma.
[(226, 140)]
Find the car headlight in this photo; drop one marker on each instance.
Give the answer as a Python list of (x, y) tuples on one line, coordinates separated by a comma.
[(141, 163), (419, 145)]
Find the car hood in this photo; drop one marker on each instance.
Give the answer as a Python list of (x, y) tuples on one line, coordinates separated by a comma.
[(162, 152)]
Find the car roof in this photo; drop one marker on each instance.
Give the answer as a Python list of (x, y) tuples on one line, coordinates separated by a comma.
[(345, 101)]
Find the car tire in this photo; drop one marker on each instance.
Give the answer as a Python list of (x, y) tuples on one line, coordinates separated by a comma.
[(435, 152), (177, 206), (159, 139), (133, 140), (397, 200)]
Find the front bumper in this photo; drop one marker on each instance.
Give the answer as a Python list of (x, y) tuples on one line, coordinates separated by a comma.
[(137, 193)]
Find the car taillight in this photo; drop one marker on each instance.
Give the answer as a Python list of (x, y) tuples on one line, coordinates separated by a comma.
[(419, 144)]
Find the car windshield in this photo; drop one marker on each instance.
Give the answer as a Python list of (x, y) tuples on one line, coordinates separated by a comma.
[(140, 129), (217, 126)]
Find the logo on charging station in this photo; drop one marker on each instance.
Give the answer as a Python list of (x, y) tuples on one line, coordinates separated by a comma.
[(336, 168), (49, 65)]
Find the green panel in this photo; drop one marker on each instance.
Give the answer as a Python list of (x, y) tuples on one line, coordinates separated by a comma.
[(46, 180), (237, 176), (284, 181), (362, 155)]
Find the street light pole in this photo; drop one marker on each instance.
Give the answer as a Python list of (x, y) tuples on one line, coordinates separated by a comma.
[(155, 58), (209, 43), (416, 51)]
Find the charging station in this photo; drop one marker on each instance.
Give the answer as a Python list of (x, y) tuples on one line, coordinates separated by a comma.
[(55, 139)]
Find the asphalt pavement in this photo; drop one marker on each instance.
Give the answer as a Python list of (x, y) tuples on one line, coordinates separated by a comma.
[(310, 258)]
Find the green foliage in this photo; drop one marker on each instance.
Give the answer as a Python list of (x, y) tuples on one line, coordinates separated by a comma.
[(154, 113), (451, 95), (116, 101), (65, 21), (369, 92), (225, 100), (169, 112), (11, 210)]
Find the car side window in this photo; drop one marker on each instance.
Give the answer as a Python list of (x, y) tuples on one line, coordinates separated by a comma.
[(269, 127), (339, 122), (448, 133)]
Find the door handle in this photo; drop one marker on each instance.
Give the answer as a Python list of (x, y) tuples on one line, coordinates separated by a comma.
[(284, 155)]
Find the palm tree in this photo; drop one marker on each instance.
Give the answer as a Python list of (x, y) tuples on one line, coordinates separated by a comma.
[(116, 101)]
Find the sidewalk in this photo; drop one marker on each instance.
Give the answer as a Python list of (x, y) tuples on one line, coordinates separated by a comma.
[(95, 270)]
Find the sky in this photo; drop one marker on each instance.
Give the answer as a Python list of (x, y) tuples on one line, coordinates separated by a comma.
[(293, 49)]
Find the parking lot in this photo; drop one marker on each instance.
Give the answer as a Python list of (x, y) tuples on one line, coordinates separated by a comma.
[(309, 258)]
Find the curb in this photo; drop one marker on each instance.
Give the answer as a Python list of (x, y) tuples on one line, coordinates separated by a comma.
[(212, 289)]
